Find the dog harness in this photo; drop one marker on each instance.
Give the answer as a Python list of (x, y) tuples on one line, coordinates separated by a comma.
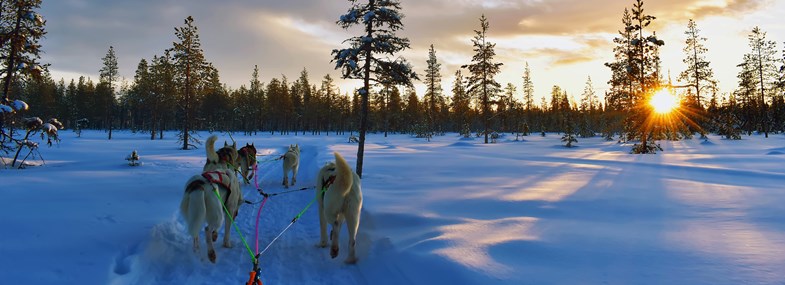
[(217, 177), (326, 184), (246, 152)]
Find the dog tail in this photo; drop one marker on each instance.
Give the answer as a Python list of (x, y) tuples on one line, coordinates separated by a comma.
[(212, 156), (193, 207), (344, 175)]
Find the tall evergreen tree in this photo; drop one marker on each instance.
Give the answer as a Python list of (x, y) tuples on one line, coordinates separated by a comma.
[(699, 75), (528, 89), (621, 83), (483, 69), (460, 102), (589, 99), (305, 91), (165, 92), (109, 75), (20, 38), (328, 93), (433, 88), (745, 103), (644, 70), (368, 57), (21, 29), (190, 65), (763, 58), (256, 101)]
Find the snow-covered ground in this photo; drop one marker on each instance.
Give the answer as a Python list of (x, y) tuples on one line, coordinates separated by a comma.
[(449, 211)]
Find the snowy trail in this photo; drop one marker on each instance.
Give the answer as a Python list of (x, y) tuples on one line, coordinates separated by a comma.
[(167, 257), (448, 211)]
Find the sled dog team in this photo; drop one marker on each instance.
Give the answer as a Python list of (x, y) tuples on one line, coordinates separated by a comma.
[(212, 195)]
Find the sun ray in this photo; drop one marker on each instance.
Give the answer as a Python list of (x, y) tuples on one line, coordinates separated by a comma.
[(664, 102)]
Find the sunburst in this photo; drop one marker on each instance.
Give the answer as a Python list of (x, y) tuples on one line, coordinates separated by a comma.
[(664, 102)]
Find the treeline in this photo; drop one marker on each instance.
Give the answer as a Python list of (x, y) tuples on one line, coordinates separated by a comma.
[(181, 90)]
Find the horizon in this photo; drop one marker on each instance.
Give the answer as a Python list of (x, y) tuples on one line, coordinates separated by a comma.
[(302, 34)]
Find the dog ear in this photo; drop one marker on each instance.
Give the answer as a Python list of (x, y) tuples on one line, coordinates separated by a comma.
[(225, 144)]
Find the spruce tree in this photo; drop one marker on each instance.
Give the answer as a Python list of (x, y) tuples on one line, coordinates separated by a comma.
[(569, 131), (699, 75), (644, 70), (762, 58), (21, 31), (20, 42), (460, 102), (165, 91), (528, 89), (433, 88), (109, 75), (483, 69), (190, 66), (369, 55)]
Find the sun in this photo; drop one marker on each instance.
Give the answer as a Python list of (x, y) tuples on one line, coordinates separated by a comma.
[(664, 102)]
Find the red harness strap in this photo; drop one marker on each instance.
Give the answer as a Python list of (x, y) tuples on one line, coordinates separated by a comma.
[(217, 177)]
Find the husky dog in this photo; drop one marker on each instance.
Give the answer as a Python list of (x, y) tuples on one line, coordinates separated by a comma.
[(200, 203), (340, 198), (291, 162), (226, 157), (246, 160)]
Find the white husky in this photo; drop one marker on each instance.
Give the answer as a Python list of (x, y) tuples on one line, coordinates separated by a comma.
[(201, 205), (291, 162), (340, 197)]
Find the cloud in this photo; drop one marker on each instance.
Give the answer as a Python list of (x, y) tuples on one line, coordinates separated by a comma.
[(283, 37)]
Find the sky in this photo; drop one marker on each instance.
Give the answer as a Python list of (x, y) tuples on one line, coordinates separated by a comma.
[(564, 42)]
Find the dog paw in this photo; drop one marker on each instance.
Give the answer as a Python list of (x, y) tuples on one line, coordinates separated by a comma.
[(333, 252), (322, 244), (351, 260), (228, 244), (211, 255)]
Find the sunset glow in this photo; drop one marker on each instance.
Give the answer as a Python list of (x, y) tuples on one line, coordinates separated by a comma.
[(664, 102)]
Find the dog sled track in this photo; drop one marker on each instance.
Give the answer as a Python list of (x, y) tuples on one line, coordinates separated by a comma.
[(166, 256)]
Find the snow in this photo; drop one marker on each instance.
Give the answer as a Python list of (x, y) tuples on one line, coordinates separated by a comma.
[(448, 211), (5, 109), (19, 105)]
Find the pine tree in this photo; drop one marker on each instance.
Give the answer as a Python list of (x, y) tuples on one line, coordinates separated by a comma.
[(20, 33), (368, 57), (569, 131), (782, 69), (20, 36), (109, 75), (620, 95), (588, 97), (190, 66), (644, 70), (328, 93), (460, 102), (762, 57), (698, 74), (165, 92), (137, 99), (433, 85), (483, 69), (528, 89), (506, 107), (305, 89), (257, 101)]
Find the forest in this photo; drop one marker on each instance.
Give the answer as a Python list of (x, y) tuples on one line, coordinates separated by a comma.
[(180, 89)]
